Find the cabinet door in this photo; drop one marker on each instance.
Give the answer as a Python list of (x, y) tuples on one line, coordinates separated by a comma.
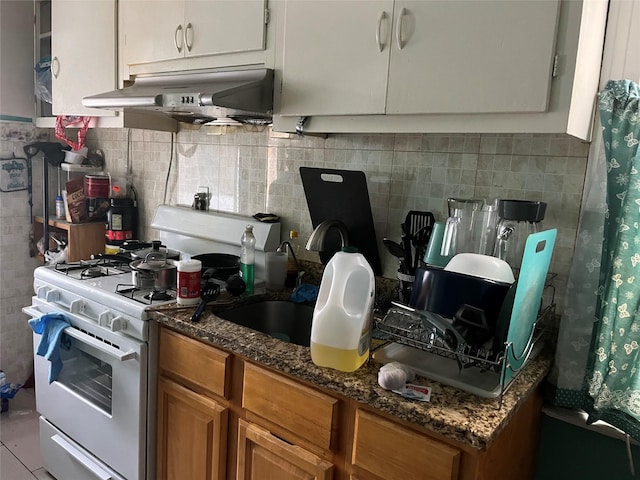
[(83, 46), (192, 434), (335, 57), (393, 452), (153, 30), (262, 455), (224, 26), (472, 56)]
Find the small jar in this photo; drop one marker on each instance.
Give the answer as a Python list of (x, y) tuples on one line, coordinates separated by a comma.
[(60, 207), (188, 282)]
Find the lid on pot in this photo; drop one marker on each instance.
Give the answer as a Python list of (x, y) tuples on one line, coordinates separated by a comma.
[(154, 262), (145, 248)]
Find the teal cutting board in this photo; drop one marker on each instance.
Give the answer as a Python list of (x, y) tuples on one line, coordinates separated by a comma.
[(528, 296)]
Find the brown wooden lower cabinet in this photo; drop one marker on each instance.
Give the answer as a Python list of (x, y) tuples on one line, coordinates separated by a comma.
[(251, 423), (192, 435), (262, 455), (392, 452)]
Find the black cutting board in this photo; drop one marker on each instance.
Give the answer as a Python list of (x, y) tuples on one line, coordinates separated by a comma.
[(342, 195)]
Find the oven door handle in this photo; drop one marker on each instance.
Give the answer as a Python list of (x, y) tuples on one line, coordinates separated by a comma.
[(112, 352), (81, 457), (34, 312)]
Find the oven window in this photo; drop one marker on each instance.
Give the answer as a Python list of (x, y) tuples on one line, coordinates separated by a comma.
[(88, 376)]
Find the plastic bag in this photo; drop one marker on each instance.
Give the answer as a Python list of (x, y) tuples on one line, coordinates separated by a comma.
[(43, 80), (63, 121)]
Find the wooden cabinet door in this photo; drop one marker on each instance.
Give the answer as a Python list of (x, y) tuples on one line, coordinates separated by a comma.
[(470, 56), (262, 455), (83, 47), (192, 435), (153, 30), (333, 63), (224, 26), (392, 452)]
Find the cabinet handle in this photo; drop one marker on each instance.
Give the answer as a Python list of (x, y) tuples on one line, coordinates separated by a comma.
[(176, 35), (188, 36), (55, 67), (382, 16), (403, 12)]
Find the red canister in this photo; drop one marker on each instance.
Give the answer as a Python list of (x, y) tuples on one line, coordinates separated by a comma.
[(96, 186), (188, 291)]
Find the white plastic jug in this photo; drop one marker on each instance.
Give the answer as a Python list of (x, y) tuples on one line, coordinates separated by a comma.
[(341, 328)]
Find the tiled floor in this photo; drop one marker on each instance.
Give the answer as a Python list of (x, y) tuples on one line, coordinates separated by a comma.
[(19, 442)]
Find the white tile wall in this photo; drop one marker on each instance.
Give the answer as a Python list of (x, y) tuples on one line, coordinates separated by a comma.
[(16, 265)]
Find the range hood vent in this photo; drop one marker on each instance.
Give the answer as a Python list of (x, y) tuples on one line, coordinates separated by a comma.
[(205, 97)]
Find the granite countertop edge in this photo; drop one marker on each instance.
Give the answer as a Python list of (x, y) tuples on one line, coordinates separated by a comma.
[(453, 413)]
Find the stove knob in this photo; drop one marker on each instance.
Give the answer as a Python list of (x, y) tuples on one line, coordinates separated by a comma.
[(104, 318), (118, 324)]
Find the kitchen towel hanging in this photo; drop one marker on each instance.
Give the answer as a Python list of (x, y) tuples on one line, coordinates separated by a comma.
[(64, 121), (51, 326)]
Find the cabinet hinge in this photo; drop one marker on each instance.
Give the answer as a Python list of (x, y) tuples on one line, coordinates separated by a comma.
[(267, 14), (554, 72)]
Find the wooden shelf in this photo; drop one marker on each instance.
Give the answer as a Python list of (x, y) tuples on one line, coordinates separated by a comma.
[(83, 239)]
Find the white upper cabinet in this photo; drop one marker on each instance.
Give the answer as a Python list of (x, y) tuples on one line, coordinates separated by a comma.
[(83, 54), (335, 57), (439, 65), (474, 56), (160, 31), (82, 39), (374, 57)]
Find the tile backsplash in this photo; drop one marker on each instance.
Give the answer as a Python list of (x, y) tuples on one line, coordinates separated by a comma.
[(248, 172)]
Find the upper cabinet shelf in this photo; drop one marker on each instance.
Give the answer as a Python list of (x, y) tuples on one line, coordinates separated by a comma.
[(164, 36), (408, 57), (440, 66), (83, 61)]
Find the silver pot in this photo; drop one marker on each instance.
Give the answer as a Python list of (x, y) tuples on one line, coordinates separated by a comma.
[(154, 271)]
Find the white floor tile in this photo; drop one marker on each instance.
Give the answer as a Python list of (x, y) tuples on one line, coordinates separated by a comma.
[(19, 429), (11, 468)]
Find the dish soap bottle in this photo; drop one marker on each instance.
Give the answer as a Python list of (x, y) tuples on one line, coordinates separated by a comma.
[(248, 258), (292, 269), (342, 317)]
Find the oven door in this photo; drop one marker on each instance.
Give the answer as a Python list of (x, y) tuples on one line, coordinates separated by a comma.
[(99, 399)]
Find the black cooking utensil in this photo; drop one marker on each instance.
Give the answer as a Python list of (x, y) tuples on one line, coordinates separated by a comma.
[(414, 223), (416, 220), (209, 293), (394, 248), (235, 285), (406, 245), (420, 242)]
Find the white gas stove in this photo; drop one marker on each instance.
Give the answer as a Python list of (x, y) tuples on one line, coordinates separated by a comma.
[(98, 416)]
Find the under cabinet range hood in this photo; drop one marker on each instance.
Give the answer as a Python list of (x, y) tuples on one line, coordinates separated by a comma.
[(198, 97)]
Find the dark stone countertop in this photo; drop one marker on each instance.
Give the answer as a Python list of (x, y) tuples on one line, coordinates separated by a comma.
[(456, 414)]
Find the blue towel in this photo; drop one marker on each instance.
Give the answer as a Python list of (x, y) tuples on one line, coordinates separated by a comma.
[(305, 293), (51, 326)]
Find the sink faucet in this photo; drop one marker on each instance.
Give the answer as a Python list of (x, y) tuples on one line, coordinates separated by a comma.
[(295, 260), (316, 241)]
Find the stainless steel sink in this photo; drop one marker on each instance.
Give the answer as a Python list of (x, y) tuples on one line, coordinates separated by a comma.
[(286, 321)]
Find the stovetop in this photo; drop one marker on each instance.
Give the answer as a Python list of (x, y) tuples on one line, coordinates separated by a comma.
[(95, 268)]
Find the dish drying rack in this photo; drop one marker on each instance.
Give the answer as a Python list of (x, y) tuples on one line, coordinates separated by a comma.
[(480, 370)]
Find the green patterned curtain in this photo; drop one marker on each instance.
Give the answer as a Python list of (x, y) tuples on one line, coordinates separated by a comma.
[(597, 361), (613, 378)]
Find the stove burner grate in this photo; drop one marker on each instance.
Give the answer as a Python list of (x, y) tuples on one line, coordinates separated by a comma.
[(147, 296), (158, 295)]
